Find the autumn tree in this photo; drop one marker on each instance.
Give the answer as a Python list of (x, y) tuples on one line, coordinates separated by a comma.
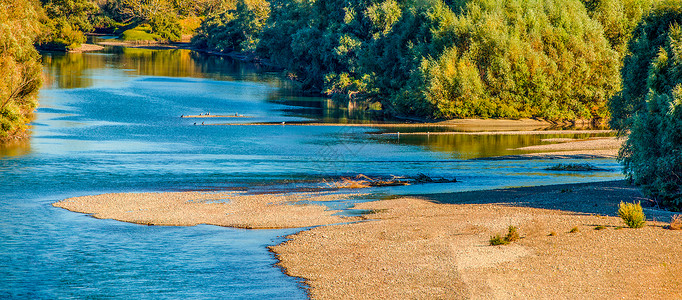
[(19, 65)]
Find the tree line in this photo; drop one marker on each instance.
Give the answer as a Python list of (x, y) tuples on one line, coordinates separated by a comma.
[(556, 60)]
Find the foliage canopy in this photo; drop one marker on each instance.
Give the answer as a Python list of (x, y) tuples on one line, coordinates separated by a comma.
[(650, 105), (442, 59), (19, 26)]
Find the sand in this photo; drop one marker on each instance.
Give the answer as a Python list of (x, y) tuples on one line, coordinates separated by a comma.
[(230, 209), (87, 48), (415, 248)]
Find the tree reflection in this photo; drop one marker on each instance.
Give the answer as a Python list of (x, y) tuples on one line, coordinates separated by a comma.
[(76, 70)]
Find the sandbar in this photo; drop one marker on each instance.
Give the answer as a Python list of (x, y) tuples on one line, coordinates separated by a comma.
[(230, 209), (416, 248)]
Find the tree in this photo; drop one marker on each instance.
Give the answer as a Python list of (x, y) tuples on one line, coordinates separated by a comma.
[(65, 22), (650, 105), (19, 65)]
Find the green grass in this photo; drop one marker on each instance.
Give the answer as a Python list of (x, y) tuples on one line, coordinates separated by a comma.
[(600, 227), (140, 33), (632, 214)]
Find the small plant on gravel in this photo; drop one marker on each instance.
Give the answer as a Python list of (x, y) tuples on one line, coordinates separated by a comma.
[(552, 233), (574, 230), (512, 235), (600, 227), (675, 222), (498, 240), (632, 214)]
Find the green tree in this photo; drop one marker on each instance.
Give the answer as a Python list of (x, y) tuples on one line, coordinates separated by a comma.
[(65, 23), (650, 105), (234, 26), (161, 15)]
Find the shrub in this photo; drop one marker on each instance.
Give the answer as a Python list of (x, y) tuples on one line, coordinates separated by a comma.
[(675, 222), (512, 235), (574, 230), (632, 214), (498, 240)]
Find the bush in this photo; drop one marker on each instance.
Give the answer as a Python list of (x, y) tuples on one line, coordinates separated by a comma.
[(675, 222), (632, 214), (512, 235)]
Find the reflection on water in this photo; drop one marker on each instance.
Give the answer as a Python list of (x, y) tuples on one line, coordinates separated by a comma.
[(17, 148), (75, 70), (461, 146), (328, 110)]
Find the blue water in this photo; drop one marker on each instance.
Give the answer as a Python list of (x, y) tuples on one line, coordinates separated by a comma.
[(110, 122)]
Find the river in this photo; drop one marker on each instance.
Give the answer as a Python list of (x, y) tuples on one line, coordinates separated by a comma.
[(111, 122)]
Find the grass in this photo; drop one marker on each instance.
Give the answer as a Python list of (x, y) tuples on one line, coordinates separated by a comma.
[(600, 227), (632, 214), (552, 233), (574, 230), (675, 222), (512, 235), (573, 167), (140, 33)]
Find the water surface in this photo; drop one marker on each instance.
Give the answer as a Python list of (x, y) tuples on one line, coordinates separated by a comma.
[(111, 122)]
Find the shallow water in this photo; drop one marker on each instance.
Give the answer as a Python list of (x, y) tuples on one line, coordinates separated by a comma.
[(110, 122)]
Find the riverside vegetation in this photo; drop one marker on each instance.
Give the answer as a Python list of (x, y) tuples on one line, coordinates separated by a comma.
[(650, 105), (19, 65)]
